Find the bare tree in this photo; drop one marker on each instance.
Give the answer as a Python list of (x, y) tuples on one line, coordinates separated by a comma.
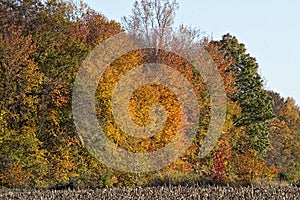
[(154, 22)]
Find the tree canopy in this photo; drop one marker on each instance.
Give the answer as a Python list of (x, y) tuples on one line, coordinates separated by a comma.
[(42, 46)]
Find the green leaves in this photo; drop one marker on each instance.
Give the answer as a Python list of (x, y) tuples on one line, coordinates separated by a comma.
[(256, 105)]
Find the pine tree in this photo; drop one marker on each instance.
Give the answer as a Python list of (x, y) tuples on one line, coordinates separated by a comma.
[(255, 103)]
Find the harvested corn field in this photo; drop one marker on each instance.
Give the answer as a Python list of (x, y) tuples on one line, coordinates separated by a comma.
[(178, 192)]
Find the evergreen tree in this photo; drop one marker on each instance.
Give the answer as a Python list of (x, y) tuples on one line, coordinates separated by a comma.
[(255, 103)]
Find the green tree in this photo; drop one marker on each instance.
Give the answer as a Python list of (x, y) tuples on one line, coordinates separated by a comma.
[(256, 105)]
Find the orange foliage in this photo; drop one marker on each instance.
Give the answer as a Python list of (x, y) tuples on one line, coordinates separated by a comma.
[(249, 169)]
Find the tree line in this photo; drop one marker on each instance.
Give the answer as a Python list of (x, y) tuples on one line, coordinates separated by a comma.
[(42, 46)]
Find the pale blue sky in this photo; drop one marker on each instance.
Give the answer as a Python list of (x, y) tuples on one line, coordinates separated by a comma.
[(270, 29)]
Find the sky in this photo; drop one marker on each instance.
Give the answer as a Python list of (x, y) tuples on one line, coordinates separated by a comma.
[(270, 29)]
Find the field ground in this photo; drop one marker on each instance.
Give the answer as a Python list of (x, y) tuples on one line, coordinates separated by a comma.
[(172, 192)]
